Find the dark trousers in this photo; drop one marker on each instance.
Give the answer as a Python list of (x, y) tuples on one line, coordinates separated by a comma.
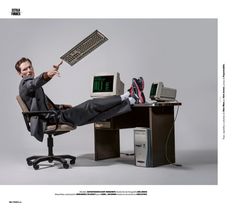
[(94, 110)]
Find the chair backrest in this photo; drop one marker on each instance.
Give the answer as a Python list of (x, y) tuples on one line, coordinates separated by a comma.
[(22, 104)]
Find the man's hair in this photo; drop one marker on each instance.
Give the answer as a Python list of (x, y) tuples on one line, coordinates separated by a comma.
[(22, 60)]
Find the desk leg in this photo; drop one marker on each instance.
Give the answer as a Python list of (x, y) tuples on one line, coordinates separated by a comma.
[(163, 136), (107, 144)]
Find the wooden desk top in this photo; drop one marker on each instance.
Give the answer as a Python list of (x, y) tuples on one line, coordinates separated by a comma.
[(158, 104)]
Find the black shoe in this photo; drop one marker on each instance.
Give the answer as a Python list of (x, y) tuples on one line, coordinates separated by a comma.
[(140, 83), (136, 90)]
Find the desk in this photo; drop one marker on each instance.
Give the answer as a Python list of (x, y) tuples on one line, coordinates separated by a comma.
[(159, 117)]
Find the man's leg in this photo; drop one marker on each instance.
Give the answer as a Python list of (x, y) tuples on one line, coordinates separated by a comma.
[(96, 110)]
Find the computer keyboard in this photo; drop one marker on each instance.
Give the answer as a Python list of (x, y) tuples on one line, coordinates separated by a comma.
[(83, 48)]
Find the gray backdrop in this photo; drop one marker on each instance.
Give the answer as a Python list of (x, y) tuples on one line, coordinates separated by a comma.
[(180, 52)]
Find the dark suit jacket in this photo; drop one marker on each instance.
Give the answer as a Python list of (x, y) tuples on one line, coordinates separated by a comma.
[(31, 92)]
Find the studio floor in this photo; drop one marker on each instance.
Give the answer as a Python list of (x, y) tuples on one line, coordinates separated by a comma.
[(199, 167)]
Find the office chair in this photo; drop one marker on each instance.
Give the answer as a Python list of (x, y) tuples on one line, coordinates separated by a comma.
[(50, 130)]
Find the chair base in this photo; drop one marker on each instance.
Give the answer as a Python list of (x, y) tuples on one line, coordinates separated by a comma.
[(35, 160)]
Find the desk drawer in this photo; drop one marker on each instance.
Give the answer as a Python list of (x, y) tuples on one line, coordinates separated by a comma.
[(103, 125)]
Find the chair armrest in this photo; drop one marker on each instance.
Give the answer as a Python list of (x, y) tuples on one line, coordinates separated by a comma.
[(44, 115), (39, 113)]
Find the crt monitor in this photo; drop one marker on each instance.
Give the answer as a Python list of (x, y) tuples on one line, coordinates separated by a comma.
[(160, 93), (106, 84)]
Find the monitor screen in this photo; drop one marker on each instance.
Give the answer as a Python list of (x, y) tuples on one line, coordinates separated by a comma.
[(103, 83), (153, 90)]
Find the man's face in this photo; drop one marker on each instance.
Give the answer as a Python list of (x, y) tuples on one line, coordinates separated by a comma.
[(26, 69)]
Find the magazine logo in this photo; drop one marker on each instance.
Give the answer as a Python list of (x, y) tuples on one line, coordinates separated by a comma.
[(15, 12)]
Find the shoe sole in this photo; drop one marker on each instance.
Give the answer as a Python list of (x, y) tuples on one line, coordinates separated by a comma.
[(139, 93), (142, 83)]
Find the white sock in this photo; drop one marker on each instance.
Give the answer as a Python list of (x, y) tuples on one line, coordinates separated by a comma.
[(125, 96), (131, 100)]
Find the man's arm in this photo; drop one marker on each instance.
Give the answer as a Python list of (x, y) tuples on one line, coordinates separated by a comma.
[(50, 74), (54, 71), (30, 84)]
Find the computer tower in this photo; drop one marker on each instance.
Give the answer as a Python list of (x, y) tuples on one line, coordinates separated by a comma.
[(143, 147)]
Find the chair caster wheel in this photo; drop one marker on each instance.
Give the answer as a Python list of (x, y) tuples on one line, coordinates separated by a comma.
[(29, 163), (36, 167), (50, 160), (72, 162), (65, 165)]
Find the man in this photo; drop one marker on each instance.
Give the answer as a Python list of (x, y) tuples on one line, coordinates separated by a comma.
[(90, 111)]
